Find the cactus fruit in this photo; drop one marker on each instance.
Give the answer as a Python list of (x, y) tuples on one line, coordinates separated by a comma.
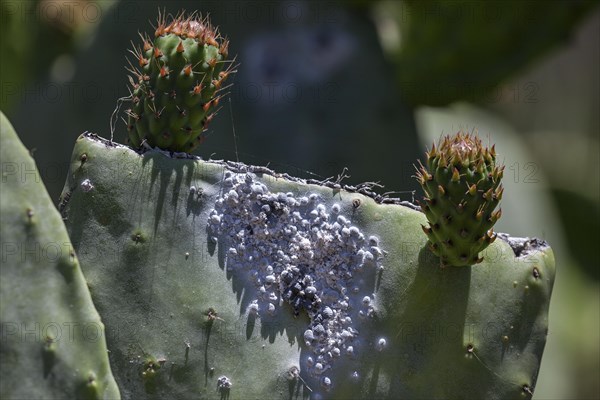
[(176, 84), (52, 342), (242, 283), (462, 188)]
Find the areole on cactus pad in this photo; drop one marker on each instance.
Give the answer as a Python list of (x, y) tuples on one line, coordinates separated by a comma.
[(177, 80)]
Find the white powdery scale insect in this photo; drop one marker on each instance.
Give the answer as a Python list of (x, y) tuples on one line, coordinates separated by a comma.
[(298, 251)]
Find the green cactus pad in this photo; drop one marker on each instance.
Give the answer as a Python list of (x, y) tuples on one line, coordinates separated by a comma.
[(52, 343), (220, 280), (177, 78), (462, 188)]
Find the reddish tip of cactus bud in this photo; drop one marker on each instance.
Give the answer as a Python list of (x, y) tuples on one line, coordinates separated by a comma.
[(472, 190), (441, 190), (432, 246), (433, 151), (198, 88), (488, 195), (479, 214), (180, 47), (157, 53), (427, 176), (491, 236), (493, 150), (212, 62), (454, 156), (215, 101), (499, 193), (455, 175), (207, 120), (426, 229), (496, 215), (210, 40), (147, 46), (206, 106), (224, 48), (143, 62), (188, 70), (443, 162), (132, 114), (164, 71), (479, 166)]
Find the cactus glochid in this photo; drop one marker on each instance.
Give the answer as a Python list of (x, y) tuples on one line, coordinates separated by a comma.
[(177, 80), (462, 188)]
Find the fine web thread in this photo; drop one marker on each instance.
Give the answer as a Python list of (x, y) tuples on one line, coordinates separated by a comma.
[(115, 115)]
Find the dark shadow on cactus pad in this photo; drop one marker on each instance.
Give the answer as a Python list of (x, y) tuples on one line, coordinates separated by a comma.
[(48, 356), (531, 302), (433, 315), (164, 167), (108, 213), (243, 287)]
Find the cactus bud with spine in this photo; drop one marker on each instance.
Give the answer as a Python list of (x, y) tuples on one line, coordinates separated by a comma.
[(176, 84), (462, 188)]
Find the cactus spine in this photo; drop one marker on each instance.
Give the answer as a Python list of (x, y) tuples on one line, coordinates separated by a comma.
[(177, 78), (462, 188)]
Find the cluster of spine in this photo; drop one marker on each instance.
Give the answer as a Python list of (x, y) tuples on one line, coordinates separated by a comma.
[(177, 83), (462, 189)]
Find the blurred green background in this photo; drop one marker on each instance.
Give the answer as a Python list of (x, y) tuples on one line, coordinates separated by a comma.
[(364, 85)]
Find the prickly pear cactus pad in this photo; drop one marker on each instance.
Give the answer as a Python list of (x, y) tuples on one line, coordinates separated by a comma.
[(52, 343), (177, 78), (462, 188), (219, 280)]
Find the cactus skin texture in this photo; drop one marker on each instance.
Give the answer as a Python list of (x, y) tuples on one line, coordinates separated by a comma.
[(52, 343), (179, 305), (177, 78), (462, 188)]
